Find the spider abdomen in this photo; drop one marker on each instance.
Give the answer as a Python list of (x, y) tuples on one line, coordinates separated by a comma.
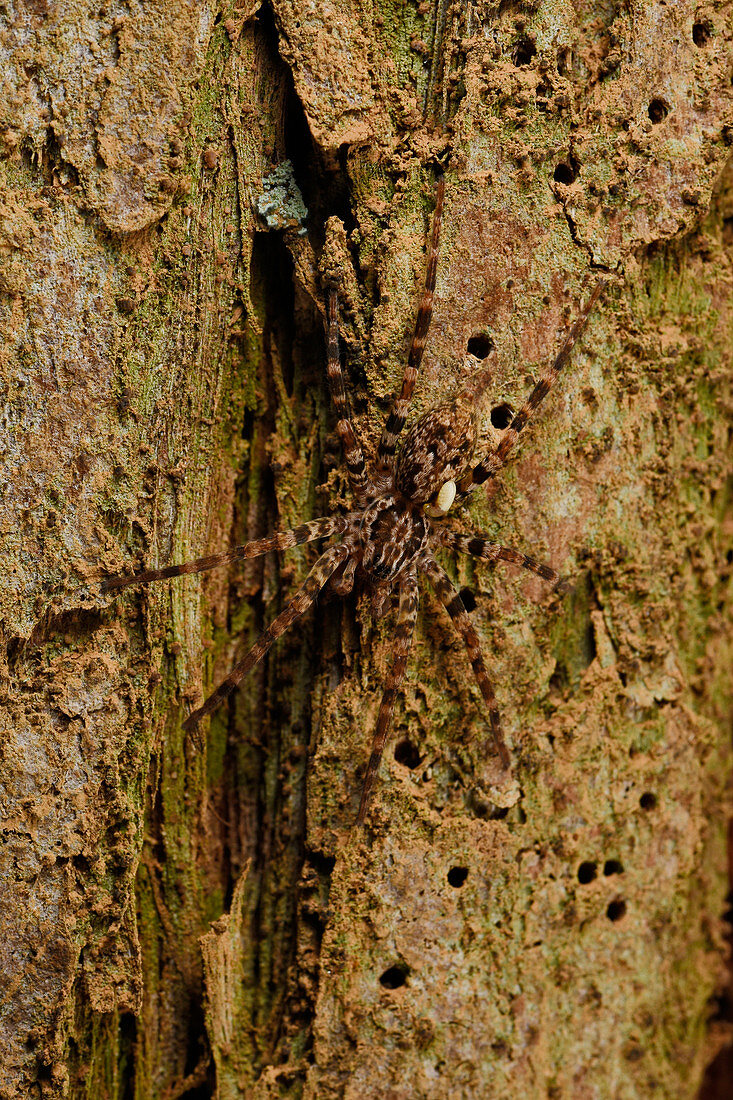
[(392, 534), (437, 448)]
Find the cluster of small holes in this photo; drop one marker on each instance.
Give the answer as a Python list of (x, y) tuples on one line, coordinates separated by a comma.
[(501, 416), (457, 876), (657, 111), (480, 345), (588, 872), (407, 754), (394, 977)]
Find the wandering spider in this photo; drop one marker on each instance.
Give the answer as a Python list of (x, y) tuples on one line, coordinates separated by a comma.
[(398, 518)]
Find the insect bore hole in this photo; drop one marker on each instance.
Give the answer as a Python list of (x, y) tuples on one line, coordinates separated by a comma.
[(480, 345), (564, 61), (469, 600), (613, 867), (701, 33), (523, 51), (501, 416), (394, 977), (457, 876), (648, 801), (564, 173), (657, 111), (587, 872), (616, 909), (407, 754)]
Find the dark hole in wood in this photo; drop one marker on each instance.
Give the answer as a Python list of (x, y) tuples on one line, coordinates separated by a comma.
[(407, 754), (564, 61), (394, 977), (701, 33), (501, 416), (564, 173), (469, 600), (657, 111), (457, 876), (616, 910), (587, 872), (523, 51), (479, 345)]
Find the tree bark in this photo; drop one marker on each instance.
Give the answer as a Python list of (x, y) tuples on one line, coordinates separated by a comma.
[(194, 915)]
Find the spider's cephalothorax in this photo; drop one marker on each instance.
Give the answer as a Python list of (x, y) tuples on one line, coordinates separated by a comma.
[(397, 520), (391, 535)]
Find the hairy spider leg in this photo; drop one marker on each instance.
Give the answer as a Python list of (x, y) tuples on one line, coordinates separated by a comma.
[(281, 540), (319, 575), (481, 548), (494, 461), (407, 617), (398, 415), (343, 583), (451, 600), (353, 454)]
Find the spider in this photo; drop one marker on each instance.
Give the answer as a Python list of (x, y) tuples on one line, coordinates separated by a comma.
[(398, 518)]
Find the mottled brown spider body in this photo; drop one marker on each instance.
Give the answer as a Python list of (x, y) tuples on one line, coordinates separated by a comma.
[(437, 448), (398, 518), (392, 534)]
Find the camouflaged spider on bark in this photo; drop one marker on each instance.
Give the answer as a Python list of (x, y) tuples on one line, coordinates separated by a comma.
[(398, 518)]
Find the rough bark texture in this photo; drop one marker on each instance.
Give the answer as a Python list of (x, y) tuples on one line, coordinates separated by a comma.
[(194, 916)]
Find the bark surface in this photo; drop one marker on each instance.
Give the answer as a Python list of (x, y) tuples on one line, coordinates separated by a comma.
[(193, 915)]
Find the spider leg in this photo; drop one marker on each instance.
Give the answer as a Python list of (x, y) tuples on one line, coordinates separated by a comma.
[(281, 540), (409, 599), (353, 454), (482, 549), (319, 575), (343, 583), (494, 461), (451, 600), (398, 415)]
